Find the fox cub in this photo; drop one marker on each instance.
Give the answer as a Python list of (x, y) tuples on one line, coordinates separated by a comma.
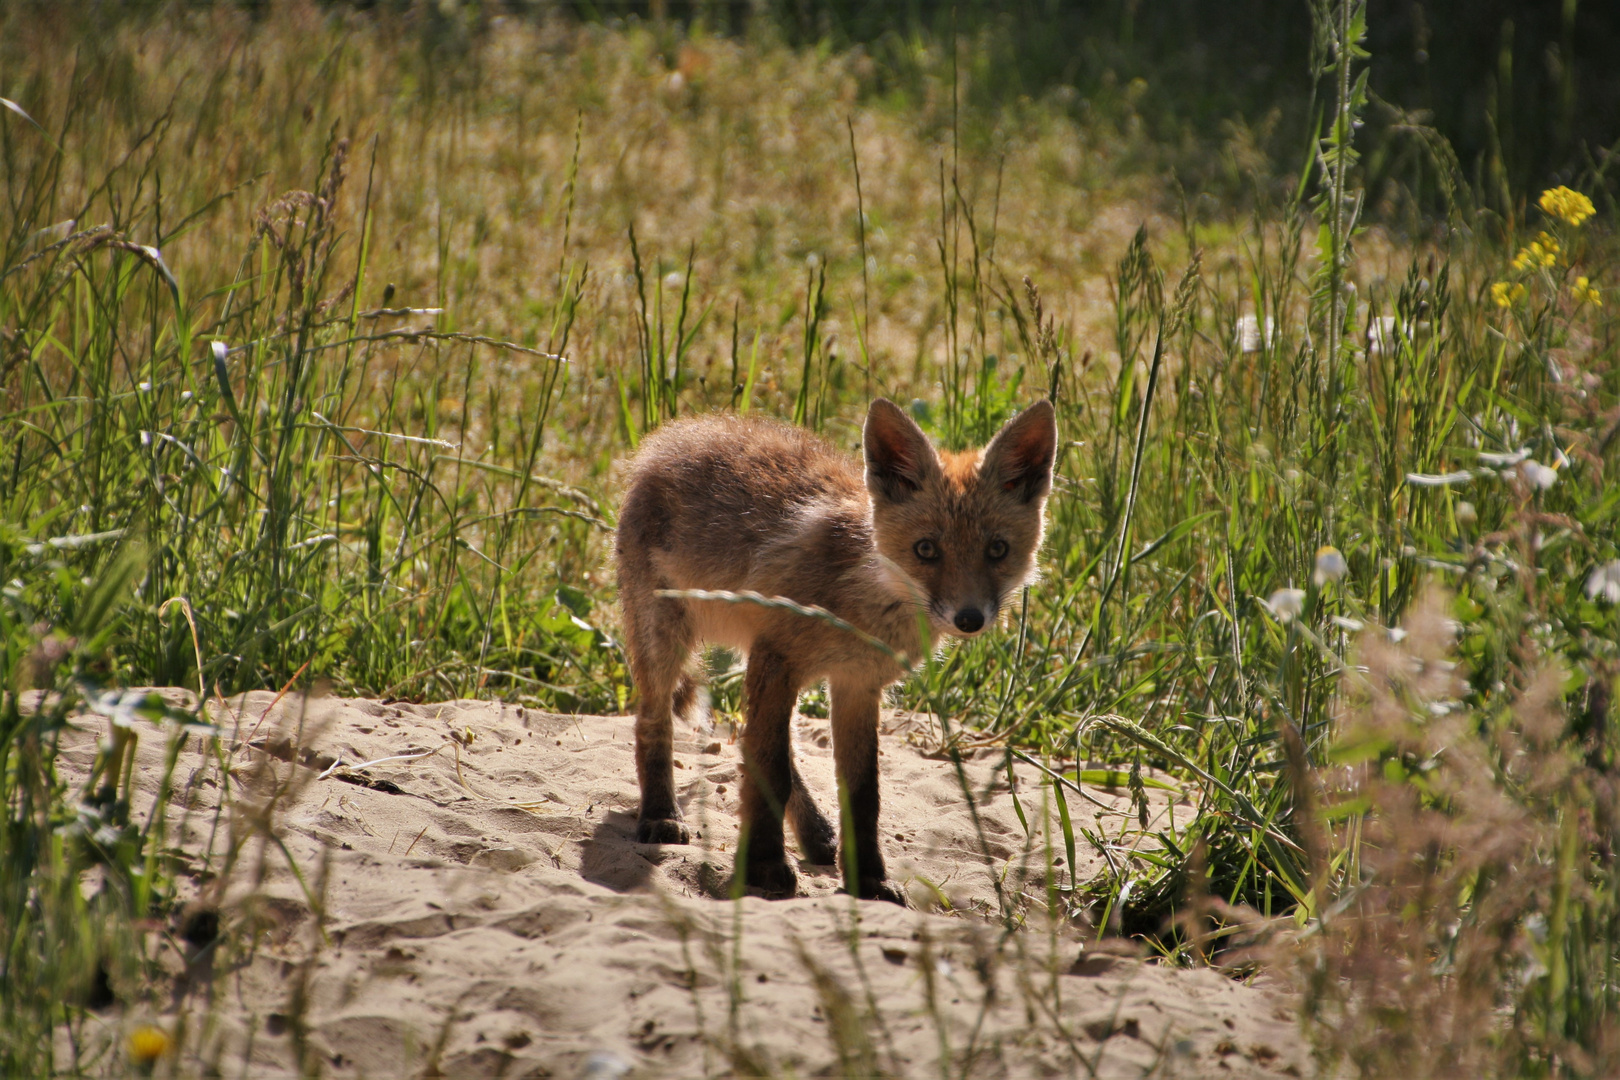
[(923, 543)]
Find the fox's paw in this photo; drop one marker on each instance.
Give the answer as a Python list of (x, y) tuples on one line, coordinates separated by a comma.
[(882, 889), (776, 880), (819, 844), (661, 831)]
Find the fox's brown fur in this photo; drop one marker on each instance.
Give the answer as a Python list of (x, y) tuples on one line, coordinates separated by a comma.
[(729, 503)]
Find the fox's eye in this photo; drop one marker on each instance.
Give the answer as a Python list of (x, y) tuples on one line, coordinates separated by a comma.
[(997, 549), (926, 550)]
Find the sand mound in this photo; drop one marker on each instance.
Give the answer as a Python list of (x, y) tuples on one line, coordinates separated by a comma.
[(488, 913)]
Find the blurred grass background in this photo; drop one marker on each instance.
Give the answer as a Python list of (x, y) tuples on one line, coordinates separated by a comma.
[(333, 320)]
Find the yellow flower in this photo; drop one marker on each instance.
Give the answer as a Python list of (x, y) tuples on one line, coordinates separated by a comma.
[(147, 1044), (1566, 205), (1586, 293), (1543, 251), (1506, 294)]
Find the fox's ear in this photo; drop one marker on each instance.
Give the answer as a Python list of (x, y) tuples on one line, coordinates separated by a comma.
[(1019, 459), (898, 457)]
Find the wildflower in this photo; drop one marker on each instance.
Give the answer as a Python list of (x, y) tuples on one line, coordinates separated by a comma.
[(1585, 293), (1286, 604), (1499, 461), (1542, 251), (1566, 205), (1382, 334), (1330, 565), (147, 1044), (1251, 337), (1506, 293), (1538, 475), (1605, 582)]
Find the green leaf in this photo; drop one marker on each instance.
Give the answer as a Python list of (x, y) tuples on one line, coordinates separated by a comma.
[(1116, 777), (1363, 747), (94, 624), (1348, 808)]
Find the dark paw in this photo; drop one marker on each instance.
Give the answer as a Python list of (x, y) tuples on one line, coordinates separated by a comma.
[(820, 845), (882, 889), (776, 880), (661, 831)]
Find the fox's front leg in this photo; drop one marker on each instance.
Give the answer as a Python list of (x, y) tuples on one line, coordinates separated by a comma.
[(855, 747), (767, 781)]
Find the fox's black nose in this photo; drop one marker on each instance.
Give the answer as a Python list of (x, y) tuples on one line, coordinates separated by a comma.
[(969, 620)]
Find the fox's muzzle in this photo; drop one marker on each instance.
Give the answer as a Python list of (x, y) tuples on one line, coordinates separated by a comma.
[(969, 620)]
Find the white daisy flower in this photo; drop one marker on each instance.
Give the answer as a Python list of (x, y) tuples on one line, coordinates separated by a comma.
[(1604, 581), (1286, 604), (1502, 461), (1249, 335), (1381, 334), (1538, 475), (1330, 565)]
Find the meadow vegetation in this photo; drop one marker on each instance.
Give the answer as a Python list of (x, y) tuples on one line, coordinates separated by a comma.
[(334, 325)]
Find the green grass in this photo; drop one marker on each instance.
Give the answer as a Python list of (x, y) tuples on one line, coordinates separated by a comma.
[(284, 324)]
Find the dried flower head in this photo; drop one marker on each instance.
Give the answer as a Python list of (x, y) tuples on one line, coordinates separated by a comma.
[(51, 650), (1408, 976)]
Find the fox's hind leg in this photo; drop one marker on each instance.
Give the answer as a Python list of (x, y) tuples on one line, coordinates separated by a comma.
[(659, 637), (816, 836)]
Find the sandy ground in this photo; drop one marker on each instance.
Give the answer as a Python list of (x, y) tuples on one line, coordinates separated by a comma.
[(489, 913)]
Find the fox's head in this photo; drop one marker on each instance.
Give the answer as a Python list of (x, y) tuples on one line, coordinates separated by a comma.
[(963, 528)]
